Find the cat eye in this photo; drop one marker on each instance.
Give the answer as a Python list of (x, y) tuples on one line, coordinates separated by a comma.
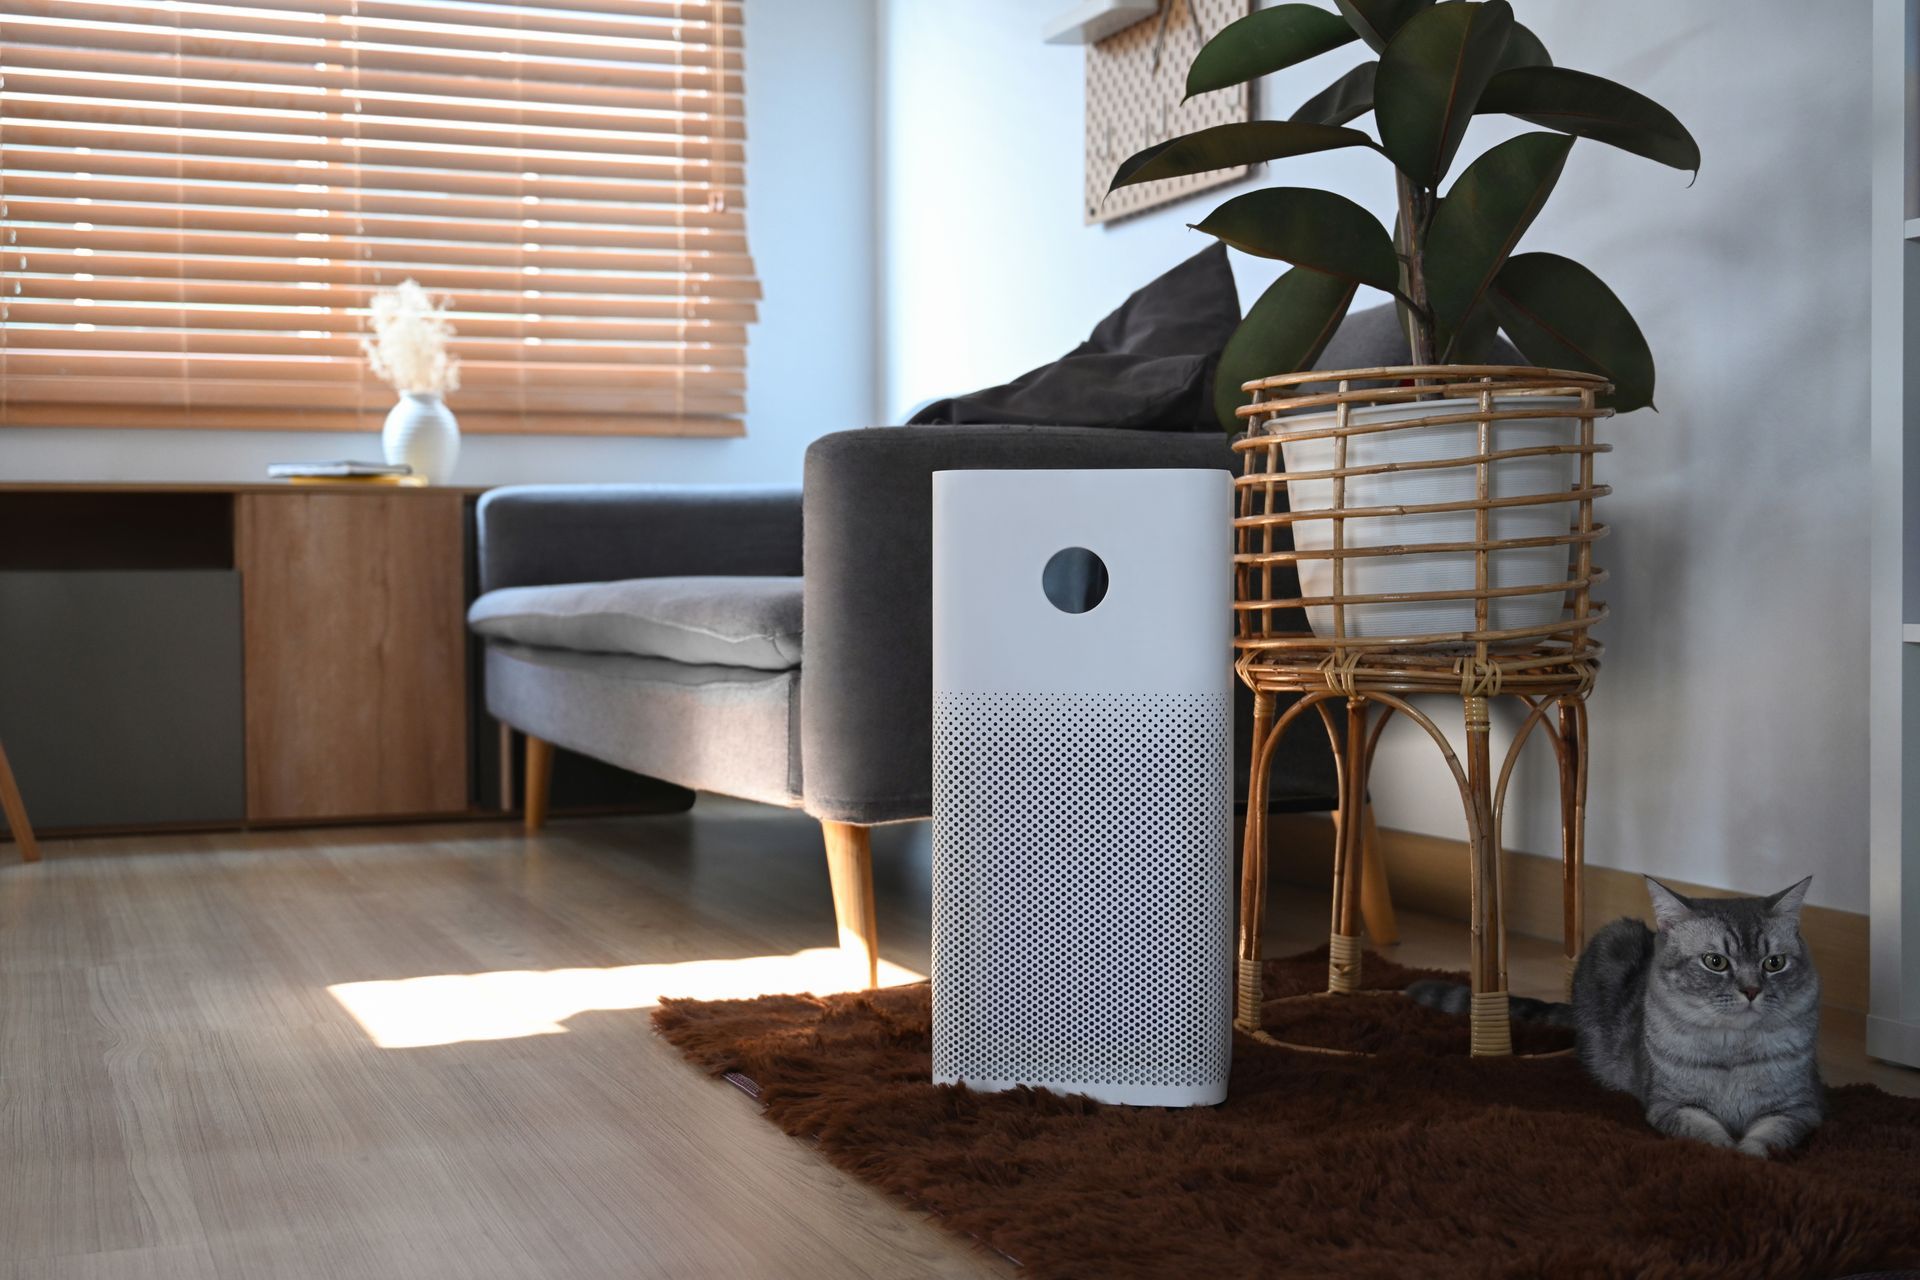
[(1715, 962), (1774, 964)]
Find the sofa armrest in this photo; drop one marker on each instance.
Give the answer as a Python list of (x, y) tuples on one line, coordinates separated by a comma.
[(532, 535), (866, 683)]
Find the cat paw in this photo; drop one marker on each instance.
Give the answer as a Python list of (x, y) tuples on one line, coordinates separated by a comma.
[(1755, 1148)]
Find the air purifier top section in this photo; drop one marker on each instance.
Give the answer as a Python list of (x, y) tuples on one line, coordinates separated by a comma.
[(1083, 581)]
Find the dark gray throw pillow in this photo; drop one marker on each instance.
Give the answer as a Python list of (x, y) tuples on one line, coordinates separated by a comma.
[(1147, 367)]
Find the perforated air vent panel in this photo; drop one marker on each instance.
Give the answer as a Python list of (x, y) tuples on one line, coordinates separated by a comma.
[(1082, 893)]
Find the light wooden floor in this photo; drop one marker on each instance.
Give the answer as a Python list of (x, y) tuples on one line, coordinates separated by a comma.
[(268, 1055)]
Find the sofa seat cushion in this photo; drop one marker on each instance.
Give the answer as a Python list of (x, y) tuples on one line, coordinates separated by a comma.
[(714, 621), (728, 729)]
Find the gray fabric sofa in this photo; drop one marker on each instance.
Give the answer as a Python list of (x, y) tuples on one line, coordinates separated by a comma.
[(776, 644), (675, 683)]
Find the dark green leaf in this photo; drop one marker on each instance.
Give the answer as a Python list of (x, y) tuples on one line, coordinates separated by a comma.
[(1284, 332), (1524, 50), (1593, 107), (1430, 79), (1561, 316), (1263, 42), (1491, 204), (1309, 228), (1226, 145), (1478, 340), (1375, 21), (1345, 100)]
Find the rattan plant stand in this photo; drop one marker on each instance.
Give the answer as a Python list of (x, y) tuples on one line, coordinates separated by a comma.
[(1347, 673)]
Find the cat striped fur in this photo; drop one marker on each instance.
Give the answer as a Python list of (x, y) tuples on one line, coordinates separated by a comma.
[(1711, 1020)]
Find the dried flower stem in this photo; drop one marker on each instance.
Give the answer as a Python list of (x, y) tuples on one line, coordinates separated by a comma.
[(408, 345)]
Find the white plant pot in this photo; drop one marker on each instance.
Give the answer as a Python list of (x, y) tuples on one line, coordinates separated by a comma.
[(1445, 570), (422, 433)]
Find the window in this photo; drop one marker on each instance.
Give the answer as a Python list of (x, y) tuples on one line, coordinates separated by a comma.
[(199, 196)]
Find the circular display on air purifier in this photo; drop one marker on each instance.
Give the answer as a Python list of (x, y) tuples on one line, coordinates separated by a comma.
[(1075, 580)]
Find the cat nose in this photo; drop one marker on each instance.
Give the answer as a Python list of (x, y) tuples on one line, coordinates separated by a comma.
[(1751, 993)]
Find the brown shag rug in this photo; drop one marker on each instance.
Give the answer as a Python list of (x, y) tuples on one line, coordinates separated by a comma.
[(1419, 1162)]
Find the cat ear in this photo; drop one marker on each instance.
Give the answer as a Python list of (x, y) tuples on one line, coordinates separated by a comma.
[(1787, 901), (1668, 907)]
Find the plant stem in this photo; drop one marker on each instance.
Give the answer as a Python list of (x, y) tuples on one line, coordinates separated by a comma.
[(1415, 208)]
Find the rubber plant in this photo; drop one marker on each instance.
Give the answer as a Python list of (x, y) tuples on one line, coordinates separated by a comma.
[(1449, 261)]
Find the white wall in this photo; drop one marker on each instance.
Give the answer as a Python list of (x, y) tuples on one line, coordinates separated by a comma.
[(1729, 722), (811, 359)]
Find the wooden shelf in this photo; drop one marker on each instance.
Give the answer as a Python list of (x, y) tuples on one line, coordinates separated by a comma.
[(1094, 20), (80, 529)]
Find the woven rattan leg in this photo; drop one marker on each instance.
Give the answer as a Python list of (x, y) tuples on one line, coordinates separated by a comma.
[(1343, 946), (1376, 899), (1573, 828), (1492, 1034), (1253, 868)]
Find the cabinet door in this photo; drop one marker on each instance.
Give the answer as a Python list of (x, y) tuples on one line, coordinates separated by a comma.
[(355, 654), (120, 695)]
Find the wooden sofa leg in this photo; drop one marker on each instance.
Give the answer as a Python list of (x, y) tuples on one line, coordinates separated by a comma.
[(16, 811), (538, 781), (1376, 904), (850, 870)]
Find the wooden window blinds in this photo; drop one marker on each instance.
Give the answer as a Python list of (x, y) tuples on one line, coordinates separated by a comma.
[(199, 197)]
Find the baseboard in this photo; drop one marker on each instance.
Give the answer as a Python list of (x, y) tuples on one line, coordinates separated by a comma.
[(1428, 874), (1893, 1041)]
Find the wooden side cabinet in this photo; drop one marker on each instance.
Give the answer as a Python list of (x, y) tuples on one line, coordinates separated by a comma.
[(355, 653), (213, 655), (225, 655)]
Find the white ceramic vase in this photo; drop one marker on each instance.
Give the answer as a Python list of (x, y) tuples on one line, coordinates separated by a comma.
[(1444, 570), (422, 433)]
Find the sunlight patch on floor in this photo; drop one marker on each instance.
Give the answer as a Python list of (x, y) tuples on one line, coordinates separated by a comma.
[(415, 1013)]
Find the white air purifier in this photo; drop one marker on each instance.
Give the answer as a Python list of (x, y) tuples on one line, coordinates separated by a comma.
[(1083, 782)]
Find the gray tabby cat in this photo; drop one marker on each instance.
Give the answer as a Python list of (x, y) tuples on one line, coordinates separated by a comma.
[(1711, 1021)]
